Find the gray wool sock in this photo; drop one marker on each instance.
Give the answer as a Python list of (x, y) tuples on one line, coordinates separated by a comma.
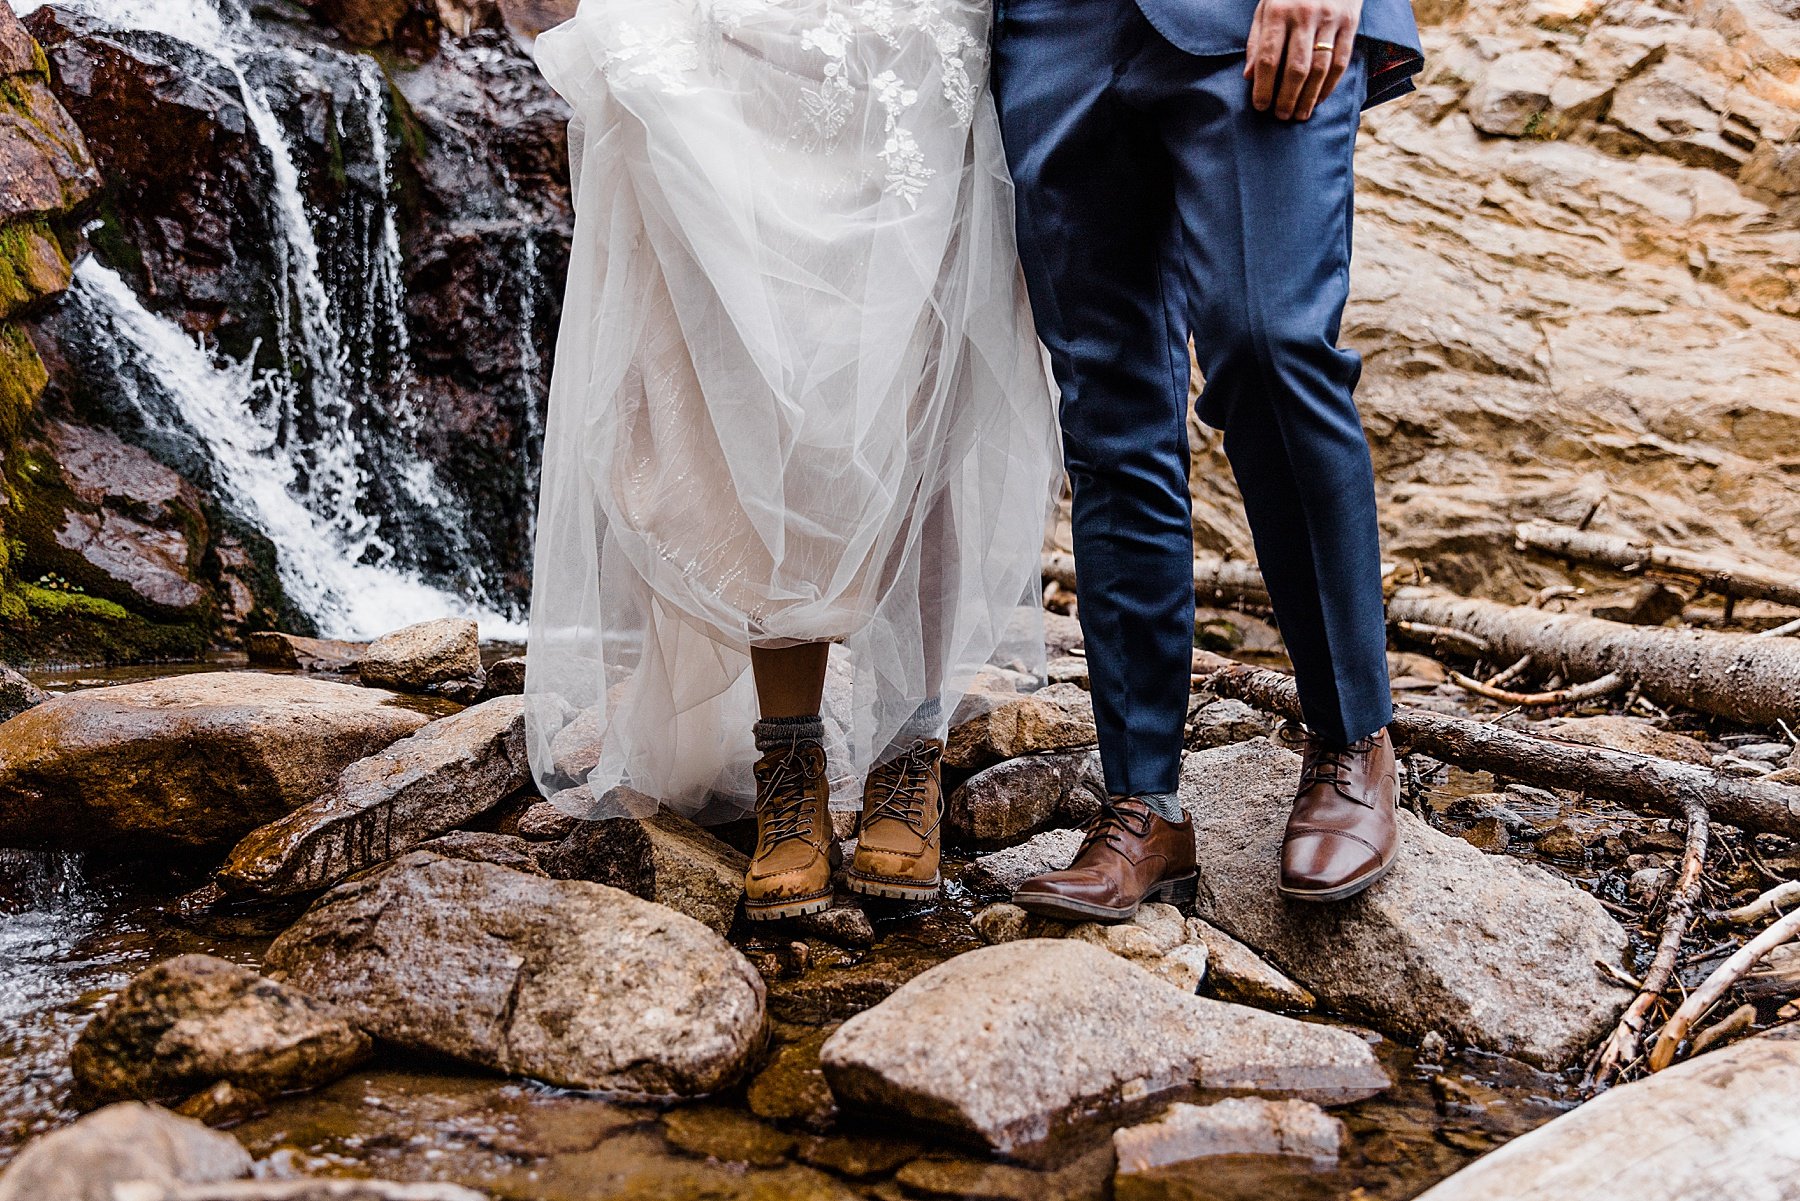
[(927, 721), (775, 733), (1166, 805)]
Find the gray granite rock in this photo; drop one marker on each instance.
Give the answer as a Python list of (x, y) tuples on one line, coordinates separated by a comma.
[(989, 727), (1006, 1042), (1237, 1126), (1498, 953), (1004, 803), (424, 655), (122, 1143), (1003, 871), (566, 981)]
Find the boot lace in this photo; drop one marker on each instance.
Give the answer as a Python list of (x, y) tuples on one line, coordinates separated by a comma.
[(783, 799), (898, 788), (1114, 822)]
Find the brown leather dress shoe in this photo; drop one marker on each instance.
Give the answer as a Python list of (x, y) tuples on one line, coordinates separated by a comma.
[(790, 873), (897, 850), (1342, 835), (1130, 855)]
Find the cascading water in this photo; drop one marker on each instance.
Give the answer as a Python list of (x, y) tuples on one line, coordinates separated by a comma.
[(320, 452)]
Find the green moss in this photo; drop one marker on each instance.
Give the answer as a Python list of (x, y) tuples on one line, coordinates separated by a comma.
[(111, 243), (49, 625), (22, 380), (23, 247)]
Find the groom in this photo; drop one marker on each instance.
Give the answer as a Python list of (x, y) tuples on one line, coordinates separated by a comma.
[(1183, 168)]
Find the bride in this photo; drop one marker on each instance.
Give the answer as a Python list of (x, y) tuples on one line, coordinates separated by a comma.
[(801, 446)]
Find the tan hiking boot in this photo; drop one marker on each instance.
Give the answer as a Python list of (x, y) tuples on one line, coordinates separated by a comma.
[(897, 849), (790, 874)]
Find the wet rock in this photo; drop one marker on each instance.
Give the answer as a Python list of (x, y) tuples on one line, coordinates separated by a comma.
[(832, 990), (1221, 723), (566, 981), (1630, 734), (1045, 1029), (422, 656), (505, 678), (271, 648), (1777, 976), (1238, 1126), (17, 693), (663, 858), (299, 1190), (190, 1021), (1003, 871), (1004, 803), (223, 1104), (792, 1087), (481, 846), (858, 1156), (990, 727), (845, 924), (970, 1180), (1438, 944), (190, 761), (1487, 834), (1236, 973), (727, 1135), (456, 768), (1645, 886), (1002, 922), (1726, 1124), (122, 1143)]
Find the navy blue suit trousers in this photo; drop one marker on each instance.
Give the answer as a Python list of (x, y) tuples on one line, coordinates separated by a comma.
[(1155, 203)]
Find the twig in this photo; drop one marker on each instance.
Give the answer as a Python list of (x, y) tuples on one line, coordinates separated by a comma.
[(1503, 678), (1426, 632), (1626, 1041), (1767, 905), (1785, 629), (1714, 986), (1604, 686)]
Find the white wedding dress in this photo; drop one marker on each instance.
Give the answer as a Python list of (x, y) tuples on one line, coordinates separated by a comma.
[(796, 394)]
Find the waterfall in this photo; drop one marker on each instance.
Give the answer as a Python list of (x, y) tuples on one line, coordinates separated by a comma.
[(321, 455)]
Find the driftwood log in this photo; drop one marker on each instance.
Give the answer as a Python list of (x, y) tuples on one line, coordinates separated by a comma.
[(1714, 573), (1738, 676), (1642, 783), (1214, 579)]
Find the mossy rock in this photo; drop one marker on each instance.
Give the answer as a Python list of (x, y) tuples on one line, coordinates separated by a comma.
[(32, 265), (48, 625), (22, 380)]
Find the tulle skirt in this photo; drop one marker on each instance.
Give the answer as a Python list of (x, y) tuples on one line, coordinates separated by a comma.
[(796, 394)]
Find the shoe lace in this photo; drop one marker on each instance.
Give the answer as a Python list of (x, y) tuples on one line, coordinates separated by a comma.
[(898, 788), (1329, 763), (1114, 822), (783, 799)]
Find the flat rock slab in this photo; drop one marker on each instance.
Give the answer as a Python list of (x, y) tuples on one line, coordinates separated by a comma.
[(126, 1142), (187, 1022), (1003, 871), (1237, 1126), (421, 656), (1484, 948), (1009, 1042), (192, 761), (412, 790), (1236, 973), (567, 981), (1725, 1124)]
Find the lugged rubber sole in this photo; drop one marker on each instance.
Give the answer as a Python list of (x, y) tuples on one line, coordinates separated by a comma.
[(870, 887), (1180, 891), (797, 907)]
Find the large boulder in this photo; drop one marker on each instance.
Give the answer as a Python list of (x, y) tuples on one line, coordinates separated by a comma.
[(122, 1143), (422, 656), (570, 982), (191, 1021), (989, 727), (1725, 1124), (1006, 1042), (192, 761), (663, 858), (1004, 803), (1487, 949), (412, 790)]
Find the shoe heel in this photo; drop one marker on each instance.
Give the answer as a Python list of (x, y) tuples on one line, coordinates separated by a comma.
[(1181, 892)]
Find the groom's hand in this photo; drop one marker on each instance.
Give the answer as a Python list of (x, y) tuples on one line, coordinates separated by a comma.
[(1298, 51)]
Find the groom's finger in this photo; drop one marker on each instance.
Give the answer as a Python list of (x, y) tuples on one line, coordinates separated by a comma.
[(1301, 34), (1343, 45), (1326, 48), (1268, 34)]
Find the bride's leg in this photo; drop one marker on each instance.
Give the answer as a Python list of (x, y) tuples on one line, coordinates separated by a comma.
[(790, 874)]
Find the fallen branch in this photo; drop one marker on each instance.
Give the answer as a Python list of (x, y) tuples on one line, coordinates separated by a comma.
[(1214, 579), (1768, 905), (1714, 987), (1739, 676), (1604, 686), (1626, 1041), (1436, 636), (1642, 783), (1785, 630), (1714, 573)]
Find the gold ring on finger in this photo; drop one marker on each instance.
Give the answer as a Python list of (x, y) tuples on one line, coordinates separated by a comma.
[(1324, 45)]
